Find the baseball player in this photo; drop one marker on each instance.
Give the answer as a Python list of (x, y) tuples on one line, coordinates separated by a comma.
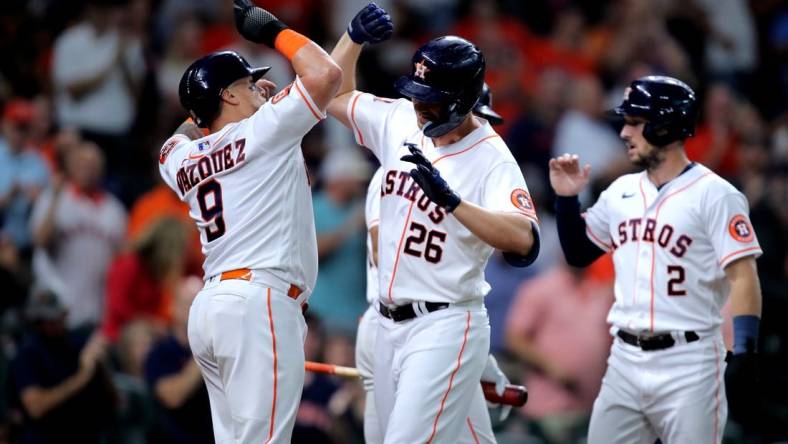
[(681, 242), (479, 426), (433, 333), (247, 190)]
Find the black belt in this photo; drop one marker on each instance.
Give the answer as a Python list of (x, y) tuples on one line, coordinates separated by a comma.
[(654, 342), (405, 312)]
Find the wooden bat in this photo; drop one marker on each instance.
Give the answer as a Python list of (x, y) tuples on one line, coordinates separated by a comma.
[(514, 395)]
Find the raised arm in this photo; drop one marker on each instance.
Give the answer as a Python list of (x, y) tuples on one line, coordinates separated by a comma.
[(371, 25), (318, 72)]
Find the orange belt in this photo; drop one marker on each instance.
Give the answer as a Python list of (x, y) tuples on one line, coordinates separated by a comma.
[(246, 275)]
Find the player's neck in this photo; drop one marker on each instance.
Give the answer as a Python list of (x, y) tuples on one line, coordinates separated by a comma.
[(455, 135), (675, 162)]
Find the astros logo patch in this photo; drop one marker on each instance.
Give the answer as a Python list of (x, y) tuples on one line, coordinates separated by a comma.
[(740, 229), (281, 94), (522, 200)]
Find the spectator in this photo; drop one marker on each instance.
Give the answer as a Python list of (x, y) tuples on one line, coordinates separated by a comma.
[(97, 72), (139, 281), (135, 406), (182, 49), (582, 130), (23, 174), (77, 229), (731, 49), (175, 381), (339, 296), (557, 327), (61, 386), (715, 144), (313, 421)]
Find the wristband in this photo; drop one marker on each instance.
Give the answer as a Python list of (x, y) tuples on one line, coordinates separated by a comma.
[(745, 333), (288, 42)]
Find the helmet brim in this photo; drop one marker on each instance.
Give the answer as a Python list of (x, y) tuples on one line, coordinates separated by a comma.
[(257, 73), (487, 113), (419, 91)]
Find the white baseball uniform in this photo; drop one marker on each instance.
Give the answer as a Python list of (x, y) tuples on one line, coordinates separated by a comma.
[(248, 192), (432, 364), (670, 247)]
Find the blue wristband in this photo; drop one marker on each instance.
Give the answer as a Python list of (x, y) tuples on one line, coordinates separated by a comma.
[(745, 333)]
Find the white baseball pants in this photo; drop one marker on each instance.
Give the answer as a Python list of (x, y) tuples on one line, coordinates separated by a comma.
[(248, 340), (676, 394), (426, 377)]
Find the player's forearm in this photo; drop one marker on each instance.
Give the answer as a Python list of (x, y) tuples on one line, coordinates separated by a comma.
[(511, 232), (745, 287), (318, 72), (346, 54)]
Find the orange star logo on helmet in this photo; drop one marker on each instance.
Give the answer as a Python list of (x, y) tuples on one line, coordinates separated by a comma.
[(420, 70)]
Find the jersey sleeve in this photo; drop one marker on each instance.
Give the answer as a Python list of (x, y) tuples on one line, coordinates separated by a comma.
[(284, 120), (597, 220), (372, 207), (505, 190), (373, 118), (728, 223), (169, 160)]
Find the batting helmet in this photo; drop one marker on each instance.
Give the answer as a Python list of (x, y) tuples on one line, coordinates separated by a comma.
[(484, 109), (202, 84), (668, 105), (447, 70)]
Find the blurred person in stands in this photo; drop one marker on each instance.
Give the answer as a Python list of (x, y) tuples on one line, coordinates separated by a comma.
[(183, 48), (340, 297), (140, 283), (314, 420), (77, 230), (557, 328), (716, 140), (97, 70), (23, 174), (532, 134), (583, 130), (135, 403), (175, 380), (59, 381)]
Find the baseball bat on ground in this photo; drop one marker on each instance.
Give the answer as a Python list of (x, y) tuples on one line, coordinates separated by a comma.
[(514, 395)]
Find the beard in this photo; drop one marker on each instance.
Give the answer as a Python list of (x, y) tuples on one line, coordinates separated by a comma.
[(650, 160)]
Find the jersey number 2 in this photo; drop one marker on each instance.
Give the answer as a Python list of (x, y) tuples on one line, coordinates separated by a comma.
[(432, 251), (212, 213), (676, 280)]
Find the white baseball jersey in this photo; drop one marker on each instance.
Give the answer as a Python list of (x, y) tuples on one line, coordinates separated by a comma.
[(248, 190), (424, 254), (670, 247), (372, 217)]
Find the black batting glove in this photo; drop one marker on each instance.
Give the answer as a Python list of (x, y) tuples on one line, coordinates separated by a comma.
[(742, 388), (430, 180), (256, 24), (371, 25)]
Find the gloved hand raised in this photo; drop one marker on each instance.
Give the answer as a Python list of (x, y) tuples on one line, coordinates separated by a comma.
[(256, 24), (371, 25), (430, 180)]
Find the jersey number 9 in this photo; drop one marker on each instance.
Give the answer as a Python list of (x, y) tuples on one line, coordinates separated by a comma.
[(211, 212)]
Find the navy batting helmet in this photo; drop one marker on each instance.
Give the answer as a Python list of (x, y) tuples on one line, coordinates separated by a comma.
[(484, 109), (447, 70), (202, 84), (668, 105)]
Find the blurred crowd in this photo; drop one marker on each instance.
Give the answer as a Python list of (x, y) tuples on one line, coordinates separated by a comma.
[(99, 261)]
